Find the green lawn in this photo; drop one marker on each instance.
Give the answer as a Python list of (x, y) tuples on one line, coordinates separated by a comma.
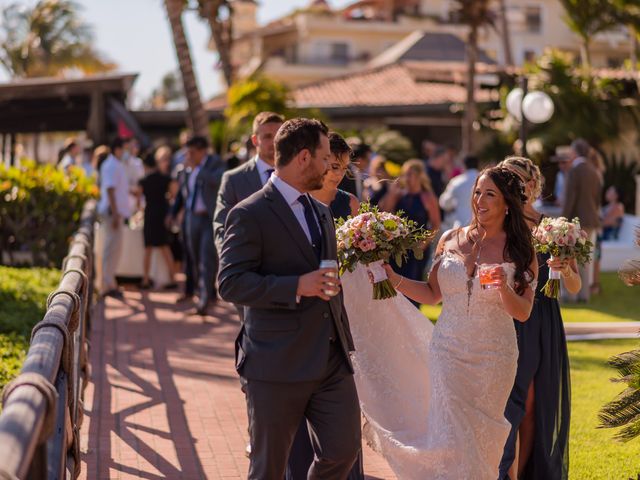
[(23, 295), (616, 303), (593, 453)]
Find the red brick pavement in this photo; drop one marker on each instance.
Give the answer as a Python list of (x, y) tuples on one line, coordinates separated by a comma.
[(164, 399)]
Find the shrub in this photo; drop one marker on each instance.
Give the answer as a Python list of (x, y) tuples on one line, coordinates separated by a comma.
[(40, 207), (23, 296)]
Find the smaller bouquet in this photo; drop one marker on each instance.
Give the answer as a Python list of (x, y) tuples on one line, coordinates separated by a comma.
[(562, 239), (372, 238)]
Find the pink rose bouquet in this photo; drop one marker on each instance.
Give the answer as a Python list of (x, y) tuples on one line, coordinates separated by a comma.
[(562, 239), (372, 238)]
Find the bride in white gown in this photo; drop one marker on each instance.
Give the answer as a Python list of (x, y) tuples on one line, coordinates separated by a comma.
[(434, 397)]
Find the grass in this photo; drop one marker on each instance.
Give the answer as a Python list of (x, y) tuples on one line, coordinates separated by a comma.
[(593, 453), (616, 303), (23, 296)]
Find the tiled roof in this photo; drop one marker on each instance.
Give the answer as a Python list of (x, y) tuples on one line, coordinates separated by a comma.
[(385, 86)]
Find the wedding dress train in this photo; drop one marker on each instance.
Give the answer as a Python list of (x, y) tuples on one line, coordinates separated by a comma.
[(434, 397)]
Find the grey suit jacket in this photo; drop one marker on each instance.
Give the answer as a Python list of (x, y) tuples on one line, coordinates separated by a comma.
[(583, 190), (264, 253), (236, 185)]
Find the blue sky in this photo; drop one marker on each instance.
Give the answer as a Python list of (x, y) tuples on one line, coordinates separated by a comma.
[(135, 34)]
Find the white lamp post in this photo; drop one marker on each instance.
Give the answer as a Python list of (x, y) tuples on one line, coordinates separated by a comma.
[(535, 107)]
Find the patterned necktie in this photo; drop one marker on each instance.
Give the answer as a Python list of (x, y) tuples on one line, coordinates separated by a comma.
[(314, 231)]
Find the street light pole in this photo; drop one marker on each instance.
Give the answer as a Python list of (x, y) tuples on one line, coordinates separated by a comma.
[(524, 84)]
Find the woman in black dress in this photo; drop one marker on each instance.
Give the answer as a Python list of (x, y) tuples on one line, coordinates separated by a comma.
[(155, 189), (539, 406)]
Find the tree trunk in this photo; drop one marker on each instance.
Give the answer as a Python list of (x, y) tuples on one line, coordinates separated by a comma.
[(585, 55), (633, 54), (222, 34), (504, 33), (470, 111), (197, 118)]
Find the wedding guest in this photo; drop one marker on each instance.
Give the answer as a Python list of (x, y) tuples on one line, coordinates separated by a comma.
[(176, 220), (353, 182), (100, 154), (114, 211), (341, 203), (415, 197), (377, 185), (612, 215), (456, 198), (202, 189), (248, 178), (134, 167), (70, 154), (435, 166), (180, 155), (562, 158), (539, 405), (582, 199), (155, 190)]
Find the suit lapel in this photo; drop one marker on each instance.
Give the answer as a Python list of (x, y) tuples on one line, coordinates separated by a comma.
[(284, 213), (254, 182), (327, 251)]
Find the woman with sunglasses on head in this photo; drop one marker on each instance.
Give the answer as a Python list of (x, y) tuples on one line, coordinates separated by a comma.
[(539, 404)]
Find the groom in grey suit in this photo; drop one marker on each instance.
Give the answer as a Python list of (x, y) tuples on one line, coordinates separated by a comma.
[(293, 348)]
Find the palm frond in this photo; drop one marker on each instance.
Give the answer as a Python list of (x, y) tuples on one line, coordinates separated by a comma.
[(625, 409)]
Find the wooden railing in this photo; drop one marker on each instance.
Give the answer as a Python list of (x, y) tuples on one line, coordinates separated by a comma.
[(42, 407)]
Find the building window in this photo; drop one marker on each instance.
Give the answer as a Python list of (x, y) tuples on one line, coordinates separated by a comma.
[(533, 19), (339, 52)]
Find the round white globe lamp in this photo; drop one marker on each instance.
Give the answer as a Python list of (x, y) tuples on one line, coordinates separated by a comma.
[(537, 107), (514, 103)]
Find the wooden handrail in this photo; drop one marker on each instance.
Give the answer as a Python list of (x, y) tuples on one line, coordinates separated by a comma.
[(27, 449)]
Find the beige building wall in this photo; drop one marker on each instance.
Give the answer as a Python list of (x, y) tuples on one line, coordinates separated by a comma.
[(534, 26)]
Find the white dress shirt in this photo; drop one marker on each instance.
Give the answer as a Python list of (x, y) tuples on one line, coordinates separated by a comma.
[(291, 196), (263, 170), (199, 207), (113, 175), (456, 199)]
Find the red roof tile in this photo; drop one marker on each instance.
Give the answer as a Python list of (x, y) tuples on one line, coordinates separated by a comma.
[(390, 85)]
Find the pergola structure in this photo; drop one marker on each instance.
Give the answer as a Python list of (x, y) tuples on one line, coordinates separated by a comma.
[(50, 104)]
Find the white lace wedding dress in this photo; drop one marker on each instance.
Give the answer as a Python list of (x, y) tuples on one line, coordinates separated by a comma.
[(434, 397)]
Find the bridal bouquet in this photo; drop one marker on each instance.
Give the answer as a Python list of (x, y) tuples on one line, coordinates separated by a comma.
[(372, 238), (562, 239)]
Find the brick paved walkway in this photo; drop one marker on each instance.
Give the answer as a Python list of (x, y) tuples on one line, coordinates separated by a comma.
[(164, 399)]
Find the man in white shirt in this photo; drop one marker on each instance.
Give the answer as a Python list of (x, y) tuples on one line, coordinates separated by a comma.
[(456, 198), (114, 211)]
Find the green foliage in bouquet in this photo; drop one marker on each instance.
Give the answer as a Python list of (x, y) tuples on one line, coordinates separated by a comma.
[(374, 236), (40, 207)]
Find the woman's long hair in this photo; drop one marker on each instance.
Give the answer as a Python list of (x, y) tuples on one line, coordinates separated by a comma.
[(417, 166), (518, 247)]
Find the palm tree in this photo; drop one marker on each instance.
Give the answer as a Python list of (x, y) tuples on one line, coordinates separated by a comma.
[(504, 34), (587, 18), (46, 39), (475, 14), (219, 16), (197, 118), (624, 410)]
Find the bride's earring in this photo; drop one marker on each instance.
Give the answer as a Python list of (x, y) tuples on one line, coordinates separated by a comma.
[(506, 212)]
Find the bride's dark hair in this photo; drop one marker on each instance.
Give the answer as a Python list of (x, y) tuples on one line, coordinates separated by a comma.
[(518, 247)]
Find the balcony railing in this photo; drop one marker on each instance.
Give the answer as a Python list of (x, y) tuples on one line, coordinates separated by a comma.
[(42, 408)]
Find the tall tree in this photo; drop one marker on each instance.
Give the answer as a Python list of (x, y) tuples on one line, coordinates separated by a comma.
[(475, 14), (46, 39), (219, 16), (197, 118), (504, 34), (587, 18)]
